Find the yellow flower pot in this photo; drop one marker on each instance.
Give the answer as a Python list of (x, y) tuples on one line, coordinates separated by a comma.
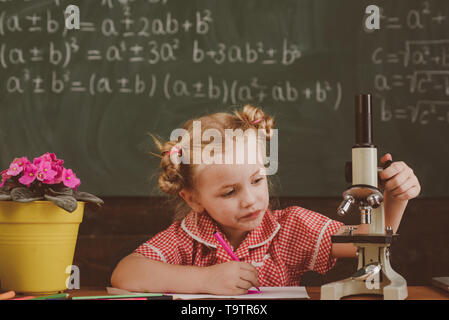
[(37, 243)]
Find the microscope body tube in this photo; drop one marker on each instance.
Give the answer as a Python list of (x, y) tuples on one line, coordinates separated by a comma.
[(364, 156), (364, 166), (364, 171)]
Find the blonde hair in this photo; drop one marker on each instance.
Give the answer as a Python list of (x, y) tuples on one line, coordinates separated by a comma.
[(177, 176)]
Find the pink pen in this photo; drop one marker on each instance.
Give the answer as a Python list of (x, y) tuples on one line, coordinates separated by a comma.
[(228, 250), (143, 298)]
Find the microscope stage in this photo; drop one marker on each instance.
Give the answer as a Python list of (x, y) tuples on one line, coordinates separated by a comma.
[(364, 238)]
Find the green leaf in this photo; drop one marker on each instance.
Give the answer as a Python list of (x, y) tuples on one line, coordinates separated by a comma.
[(5, 195), (84, 196), (68, 203), (22, 194), (66, 191)]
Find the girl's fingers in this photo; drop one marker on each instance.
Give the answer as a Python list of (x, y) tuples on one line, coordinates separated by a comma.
[(403, 187), (251, 277), (399, 179), (409, 190), (391, 171), (247, 266), (244, 284), (239, 291), (394, 169), (250, 268), (385, 158), (411, 193)]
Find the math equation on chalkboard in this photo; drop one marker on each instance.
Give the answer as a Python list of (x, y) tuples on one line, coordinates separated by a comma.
[(154, 50), (411, 72), (151, 50)]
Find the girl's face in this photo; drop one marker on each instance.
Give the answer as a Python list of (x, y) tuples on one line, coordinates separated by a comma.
[(235, 195)]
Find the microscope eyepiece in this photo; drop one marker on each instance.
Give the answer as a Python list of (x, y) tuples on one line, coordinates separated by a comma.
[(363, 121)]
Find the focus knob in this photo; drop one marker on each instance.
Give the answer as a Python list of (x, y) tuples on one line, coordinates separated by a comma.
[(348, 171)]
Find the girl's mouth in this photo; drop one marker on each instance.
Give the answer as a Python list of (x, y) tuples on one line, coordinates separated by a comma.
[(252, 215)]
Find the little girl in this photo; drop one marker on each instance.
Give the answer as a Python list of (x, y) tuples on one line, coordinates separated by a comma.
[(275, 247)]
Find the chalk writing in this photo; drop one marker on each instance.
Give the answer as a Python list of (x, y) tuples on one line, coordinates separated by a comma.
[(414, 68)]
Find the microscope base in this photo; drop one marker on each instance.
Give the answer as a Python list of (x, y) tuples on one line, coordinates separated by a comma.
[(387, 282), (349, 287)]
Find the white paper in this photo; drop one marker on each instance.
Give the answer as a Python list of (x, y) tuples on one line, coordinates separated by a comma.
[(265, 293)]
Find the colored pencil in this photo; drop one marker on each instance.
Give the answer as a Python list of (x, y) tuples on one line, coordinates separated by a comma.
[(142, 298), (228, 249), (139, 295), (53, 297)]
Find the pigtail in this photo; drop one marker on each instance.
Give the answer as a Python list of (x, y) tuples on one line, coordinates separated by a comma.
[(170, 180), (253, 117)]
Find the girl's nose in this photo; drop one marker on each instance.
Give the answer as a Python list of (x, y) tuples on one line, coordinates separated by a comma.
[(247, 199)]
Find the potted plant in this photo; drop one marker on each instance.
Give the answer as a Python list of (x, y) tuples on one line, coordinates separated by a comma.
[(40, 212)]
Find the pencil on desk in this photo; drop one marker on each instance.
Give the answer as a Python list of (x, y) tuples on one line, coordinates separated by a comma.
[(142, 298), (115, 297), (52, 297)]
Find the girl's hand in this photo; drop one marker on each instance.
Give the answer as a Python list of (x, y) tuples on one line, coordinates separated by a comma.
[(398, 180), (231, 278)]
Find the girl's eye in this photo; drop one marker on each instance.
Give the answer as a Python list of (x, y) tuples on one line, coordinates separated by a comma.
[(228, 194), (258, 180)]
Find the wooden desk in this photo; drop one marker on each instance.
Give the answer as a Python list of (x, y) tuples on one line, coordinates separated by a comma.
[(414, 293)]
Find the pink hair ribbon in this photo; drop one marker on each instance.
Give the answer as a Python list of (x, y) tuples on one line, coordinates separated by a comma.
[(174, 149)]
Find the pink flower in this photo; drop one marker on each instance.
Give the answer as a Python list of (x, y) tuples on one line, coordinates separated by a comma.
[(14, 169), (69, 179), (23, 161), (56, 161), (45, 173), (17, 166), (5, 176), (50, 157), (55, 175), (58, 177), (29, 175)]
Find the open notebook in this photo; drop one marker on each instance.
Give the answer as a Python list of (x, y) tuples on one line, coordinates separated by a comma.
[(265, 293)]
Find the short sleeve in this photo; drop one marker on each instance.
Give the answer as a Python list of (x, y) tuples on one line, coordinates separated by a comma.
[(322, 260), (307, 239), (170, 246)]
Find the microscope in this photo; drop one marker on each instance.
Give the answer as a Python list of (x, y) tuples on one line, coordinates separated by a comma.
[(374, 273)]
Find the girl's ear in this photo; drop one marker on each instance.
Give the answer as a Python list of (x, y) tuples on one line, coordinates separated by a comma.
[(191, 200)]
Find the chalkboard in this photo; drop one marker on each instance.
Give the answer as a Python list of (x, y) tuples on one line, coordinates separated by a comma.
[(92, 94)]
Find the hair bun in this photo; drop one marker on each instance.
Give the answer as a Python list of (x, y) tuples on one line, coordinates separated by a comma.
[(255, 117), (170, 181)]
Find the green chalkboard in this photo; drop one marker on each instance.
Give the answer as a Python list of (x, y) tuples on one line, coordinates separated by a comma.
[(92, 95)]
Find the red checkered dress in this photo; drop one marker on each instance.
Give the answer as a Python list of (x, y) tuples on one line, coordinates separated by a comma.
[(285, 245)]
